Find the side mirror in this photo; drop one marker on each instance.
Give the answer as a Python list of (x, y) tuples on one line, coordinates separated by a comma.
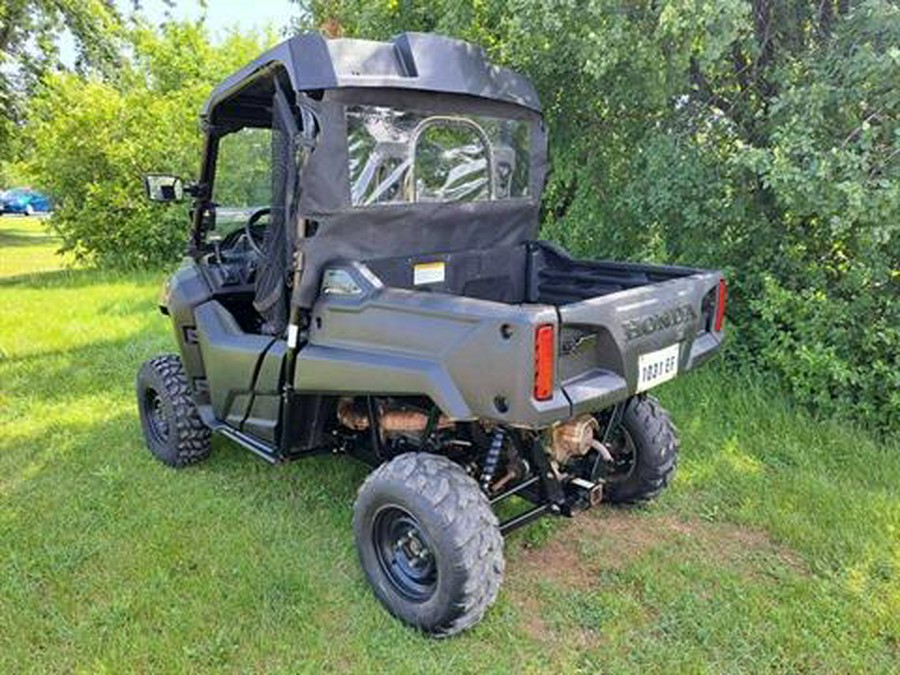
[(160, 188)]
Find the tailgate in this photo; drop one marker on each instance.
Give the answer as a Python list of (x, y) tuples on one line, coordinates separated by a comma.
[(616, 345)]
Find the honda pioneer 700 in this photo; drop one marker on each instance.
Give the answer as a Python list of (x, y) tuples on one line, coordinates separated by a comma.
[(363, 276)]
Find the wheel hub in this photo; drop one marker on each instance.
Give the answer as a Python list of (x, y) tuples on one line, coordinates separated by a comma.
[(404, 554), (156, 416), (624, 454)]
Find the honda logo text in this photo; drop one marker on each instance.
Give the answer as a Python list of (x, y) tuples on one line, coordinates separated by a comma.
[(648, 325)]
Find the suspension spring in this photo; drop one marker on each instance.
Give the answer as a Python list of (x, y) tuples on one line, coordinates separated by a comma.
[(492, 459)]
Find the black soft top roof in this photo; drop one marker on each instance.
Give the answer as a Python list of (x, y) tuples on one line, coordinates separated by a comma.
[(421, 61), (419, 71)]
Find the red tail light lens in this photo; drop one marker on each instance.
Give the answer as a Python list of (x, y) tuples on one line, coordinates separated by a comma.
[(720, 305), (543, 362)]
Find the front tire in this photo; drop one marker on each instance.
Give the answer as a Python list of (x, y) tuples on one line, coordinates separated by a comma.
[(172, 427), (429, 543), (645, 449)]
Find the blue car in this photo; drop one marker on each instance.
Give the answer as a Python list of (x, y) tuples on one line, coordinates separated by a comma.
[(24, 200)]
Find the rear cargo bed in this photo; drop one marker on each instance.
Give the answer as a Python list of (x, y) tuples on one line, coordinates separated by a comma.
[(555, 278), (614, 320), (534, 272)]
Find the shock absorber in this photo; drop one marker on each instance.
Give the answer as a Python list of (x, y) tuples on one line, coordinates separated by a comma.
[(492, 458)]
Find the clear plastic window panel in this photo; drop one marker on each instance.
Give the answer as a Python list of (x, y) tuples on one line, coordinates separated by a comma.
[(403, 157), (243, 177)]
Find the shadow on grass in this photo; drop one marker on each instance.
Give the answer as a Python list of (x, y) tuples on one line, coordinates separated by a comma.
[(78, 278), (10, 237), (316, 478), (69, 374), (55, 279), (58, 462)]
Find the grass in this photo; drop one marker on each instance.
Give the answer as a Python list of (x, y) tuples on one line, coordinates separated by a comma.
[(777, 548)]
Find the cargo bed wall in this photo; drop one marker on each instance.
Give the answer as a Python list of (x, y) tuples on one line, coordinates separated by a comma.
[(535, 272), (496, 274), (555, 278)]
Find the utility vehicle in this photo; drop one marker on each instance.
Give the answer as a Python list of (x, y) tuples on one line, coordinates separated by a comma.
[(363, 277)]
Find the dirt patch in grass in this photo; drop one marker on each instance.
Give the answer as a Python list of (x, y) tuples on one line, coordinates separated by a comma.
[(605, 540), (532, 621), (557, 560), (609, 539)]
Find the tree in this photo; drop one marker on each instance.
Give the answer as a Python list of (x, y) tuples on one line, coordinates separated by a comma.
[(758, 136), (94, 138), (29, 30)]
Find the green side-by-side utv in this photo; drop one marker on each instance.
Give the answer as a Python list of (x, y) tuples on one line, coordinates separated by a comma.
[(363, 276)]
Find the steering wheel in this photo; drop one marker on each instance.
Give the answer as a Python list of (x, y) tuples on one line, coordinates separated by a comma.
[(248, 229)]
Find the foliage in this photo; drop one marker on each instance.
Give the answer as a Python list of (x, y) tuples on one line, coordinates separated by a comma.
[(94, 139), (757, 136), (29, 50), (244, 169), (831, 313)]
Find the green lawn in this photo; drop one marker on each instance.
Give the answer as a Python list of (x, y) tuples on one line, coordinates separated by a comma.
[(777, 549)]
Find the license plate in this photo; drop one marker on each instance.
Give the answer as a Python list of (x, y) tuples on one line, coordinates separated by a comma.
[(657, 367)]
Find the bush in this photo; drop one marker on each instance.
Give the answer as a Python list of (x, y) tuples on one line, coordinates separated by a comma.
[(761, 138), (93, 141)]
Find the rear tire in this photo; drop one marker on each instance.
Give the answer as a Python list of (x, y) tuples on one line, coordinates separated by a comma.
[(429, 543), (648, 438), (172, 427)]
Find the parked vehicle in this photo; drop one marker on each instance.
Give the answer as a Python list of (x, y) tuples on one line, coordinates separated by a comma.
[(391, 301), (25, 201)]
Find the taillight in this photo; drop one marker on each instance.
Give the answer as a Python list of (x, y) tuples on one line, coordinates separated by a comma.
[(720, 305), (543, 362)]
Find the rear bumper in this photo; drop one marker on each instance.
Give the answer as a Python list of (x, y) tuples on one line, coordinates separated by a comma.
[(704, 348), (604, 338), (598, 389)]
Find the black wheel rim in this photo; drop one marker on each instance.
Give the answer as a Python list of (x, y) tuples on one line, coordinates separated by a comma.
[(157, 421), (404, 553), (624, 455)]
